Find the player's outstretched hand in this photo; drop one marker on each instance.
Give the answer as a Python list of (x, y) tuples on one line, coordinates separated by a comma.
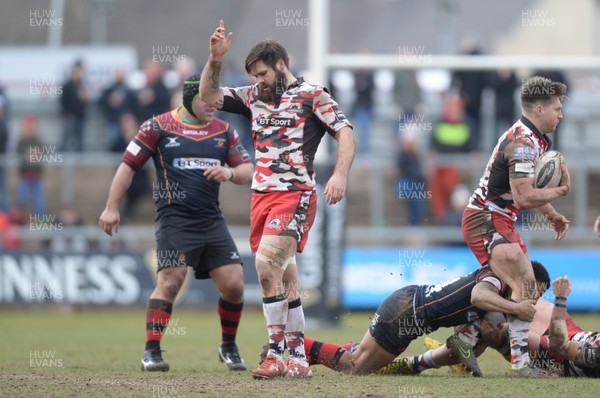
[(597, 226), (219, 42), (561, 286), (560, 225), (218, 173), (525, 310), (335, 189), (109, 219)]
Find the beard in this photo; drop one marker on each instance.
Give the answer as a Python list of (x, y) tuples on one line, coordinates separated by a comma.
[(275, 90)]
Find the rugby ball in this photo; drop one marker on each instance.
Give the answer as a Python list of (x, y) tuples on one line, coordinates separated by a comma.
[(547, 170)]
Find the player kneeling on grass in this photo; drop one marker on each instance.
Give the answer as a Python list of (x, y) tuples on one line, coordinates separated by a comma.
[(190, 148), (413, 311)]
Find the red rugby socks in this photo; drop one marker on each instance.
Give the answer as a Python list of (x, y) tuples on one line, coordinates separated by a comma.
[(230, 315), (158, 315)]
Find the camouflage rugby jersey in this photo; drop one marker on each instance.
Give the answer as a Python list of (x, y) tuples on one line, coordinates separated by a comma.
[(514, 156), (286, 135)]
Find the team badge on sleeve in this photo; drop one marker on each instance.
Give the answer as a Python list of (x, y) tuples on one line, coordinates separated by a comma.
[(145, 127), (525, 153)]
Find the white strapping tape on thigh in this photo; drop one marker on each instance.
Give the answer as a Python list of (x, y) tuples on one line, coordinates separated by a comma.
[(278, 261)]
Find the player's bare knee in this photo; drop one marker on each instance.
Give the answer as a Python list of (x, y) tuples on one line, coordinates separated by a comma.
[(233, 291), (170, 288), (265, 281), (233, 297)]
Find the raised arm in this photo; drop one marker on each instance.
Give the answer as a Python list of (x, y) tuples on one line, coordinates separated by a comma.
[(210, 80), (558, 338)]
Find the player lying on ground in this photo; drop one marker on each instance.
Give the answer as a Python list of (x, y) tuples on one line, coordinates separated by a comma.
[(579, 349), (413, 311), (554, 338)]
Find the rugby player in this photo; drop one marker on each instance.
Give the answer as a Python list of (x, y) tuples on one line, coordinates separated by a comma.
[(553, 335), (506, 187), (193, 153), (413, 311), (289, 118), (580, 349)]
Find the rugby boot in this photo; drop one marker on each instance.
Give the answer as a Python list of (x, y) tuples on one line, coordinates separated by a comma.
[(399, 366), (152, 361), (431, 344), (271, 367), (297, 370), (528, 371), (230, 355), (465, 353)]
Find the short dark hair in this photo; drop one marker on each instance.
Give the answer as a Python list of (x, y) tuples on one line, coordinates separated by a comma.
[(540, 89), (541, 274), (269, 52)]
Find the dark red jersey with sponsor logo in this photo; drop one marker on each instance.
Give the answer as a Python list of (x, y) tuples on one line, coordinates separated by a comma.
[(286, 135), (181, 152), (514, 156)]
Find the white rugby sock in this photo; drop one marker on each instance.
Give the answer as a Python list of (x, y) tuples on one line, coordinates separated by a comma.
[(275, 310), (519, 347), (294, 332), (424, 361), (469, 333)]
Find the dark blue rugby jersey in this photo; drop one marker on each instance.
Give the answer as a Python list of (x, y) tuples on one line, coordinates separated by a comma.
[(448, 303), (181, 152)]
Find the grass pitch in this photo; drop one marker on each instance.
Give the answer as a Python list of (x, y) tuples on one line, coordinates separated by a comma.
[(97, 354)]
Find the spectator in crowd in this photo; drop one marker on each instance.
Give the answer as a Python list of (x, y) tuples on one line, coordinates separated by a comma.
[(412, 182), (407, 93), (68, 242), (458, 200), (407, 97), (31, 153), (3, 144), (10, 239), (362, 110), (74, 100), (154, 99), (471, 85), (451, 136), (115, 100), (555, 76), (504, 83)]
